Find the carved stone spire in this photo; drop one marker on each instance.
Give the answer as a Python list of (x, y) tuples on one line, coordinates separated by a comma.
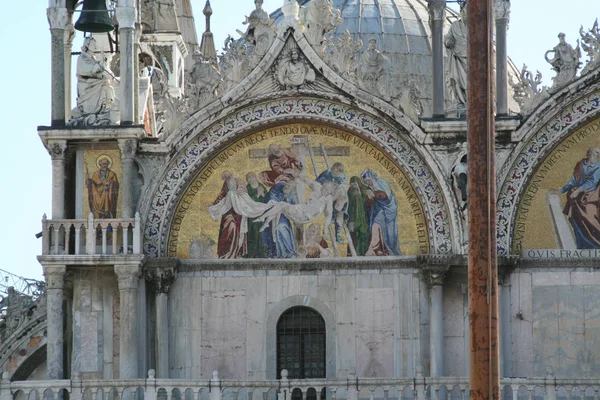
[(207, 45)]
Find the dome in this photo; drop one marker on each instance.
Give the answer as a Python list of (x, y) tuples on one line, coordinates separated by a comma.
[(403, 34)]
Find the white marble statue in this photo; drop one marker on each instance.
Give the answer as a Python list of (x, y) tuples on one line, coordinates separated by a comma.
[(204, 80), (293, 72), (261, 30), (372, 70), (456, 66), (291, 13), (95, 93), (319, 18), (565, 61), (590, 42)]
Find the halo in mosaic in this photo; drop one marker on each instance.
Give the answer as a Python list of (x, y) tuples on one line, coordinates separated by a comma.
[(530, 156), (203, 145)]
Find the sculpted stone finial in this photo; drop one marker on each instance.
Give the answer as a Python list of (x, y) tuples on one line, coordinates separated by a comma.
[(372, 70), (293, 71), (528, 91), (341, 55), (234, 62), (319, 18), (456, 67), (95, 92), (590, 42), (291, 12), (565, 61)]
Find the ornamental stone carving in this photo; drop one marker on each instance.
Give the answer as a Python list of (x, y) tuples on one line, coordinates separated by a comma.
[(127, 276), (291, 12), (319, 18), (128, 148), (456, 65), (502, 9), (437, 10), (261, 30), (55, 277), (590, 43), (95, 92), (234, 62), (293, 71), (372, 70), (126, 17), (58, 17), (341, 56), (57, 149), (529, 91), (171, 113), (565, 62), (162, 278)]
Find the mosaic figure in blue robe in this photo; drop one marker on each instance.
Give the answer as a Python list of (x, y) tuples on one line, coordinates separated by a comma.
[(281, 243)]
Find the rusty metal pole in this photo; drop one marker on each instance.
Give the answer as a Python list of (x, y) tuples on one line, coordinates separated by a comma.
[(483, 267)]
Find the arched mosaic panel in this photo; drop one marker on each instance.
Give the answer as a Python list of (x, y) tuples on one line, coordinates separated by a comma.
[(202, 148), (538, 160)]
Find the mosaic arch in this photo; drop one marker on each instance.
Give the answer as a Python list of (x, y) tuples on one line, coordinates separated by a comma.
[(203, 150), (535, 196)]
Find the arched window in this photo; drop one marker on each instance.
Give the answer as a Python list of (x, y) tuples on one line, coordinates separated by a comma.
[(301, 343)]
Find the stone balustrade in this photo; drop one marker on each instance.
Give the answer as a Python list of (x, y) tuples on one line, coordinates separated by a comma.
[(91, 236), (352, 388)]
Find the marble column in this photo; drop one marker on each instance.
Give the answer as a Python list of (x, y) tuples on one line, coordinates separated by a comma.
[(437, 14), (126, 16), (502, 8), (505, 327), (55, 316), (58, 17), (69, 36), (128, 276), (435, 278), (58, 151), (128, 148), (163, 280)]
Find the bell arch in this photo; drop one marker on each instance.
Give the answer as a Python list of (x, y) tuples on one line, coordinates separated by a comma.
[(540, 135), (203, 142)]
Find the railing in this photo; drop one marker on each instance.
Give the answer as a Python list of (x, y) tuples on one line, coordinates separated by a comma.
[(91, 236), (352, 388)]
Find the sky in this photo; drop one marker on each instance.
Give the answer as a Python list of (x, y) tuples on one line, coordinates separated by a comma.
[(25, 105)]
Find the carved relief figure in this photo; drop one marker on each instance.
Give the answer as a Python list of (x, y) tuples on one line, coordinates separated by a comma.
[(341, 55), (372, 70), (261, 29), (565, 61), (95, 93), (583, 200), (234, 62), (293, 71), (320, 17), (456, 43), (103, 189), (204, 80), (382, 212)]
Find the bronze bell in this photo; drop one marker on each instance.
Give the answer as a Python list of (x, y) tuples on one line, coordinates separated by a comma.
[(94, 17)]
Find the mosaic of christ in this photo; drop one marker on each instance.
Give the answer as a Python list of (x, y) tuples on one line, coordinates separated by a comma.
[(319, 194)]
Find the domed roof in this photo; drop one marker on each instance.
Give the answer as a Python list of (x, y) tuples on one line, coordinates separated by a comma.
[(401, 28)]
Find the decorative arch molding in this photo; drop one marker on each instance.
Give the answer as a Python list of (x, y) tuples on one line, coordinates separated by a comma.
[(577, 104), (271, 328), (30, 338), (420, 167)]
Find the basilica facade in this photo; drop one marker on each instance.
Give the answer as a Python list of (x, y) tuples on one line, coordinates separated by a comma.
[(288, 218)]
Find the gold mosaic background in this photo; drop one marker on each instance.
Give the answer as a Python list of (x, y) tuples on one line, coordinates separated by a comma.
[(90, 159), (533, 225), (192, 218)]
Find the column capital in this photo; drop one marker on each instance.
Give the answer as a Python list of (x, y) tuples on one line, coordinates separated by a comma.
[(57, 149), (128, 148), (69, 35), (437, 10), (162, 278), (127, 276), (55, 276), (126, 17), (502, 10), (58, 17), (434, 275)]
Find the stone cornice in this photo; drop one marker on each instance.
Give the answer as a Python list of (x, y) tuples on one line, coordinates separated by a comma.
[(91, 260), (89, 133)]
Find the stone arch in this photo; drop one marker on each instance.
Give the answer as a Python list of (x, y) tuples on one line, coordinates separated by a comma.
[(271, 338), (539, 135), (204, 141), (25, 349)]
